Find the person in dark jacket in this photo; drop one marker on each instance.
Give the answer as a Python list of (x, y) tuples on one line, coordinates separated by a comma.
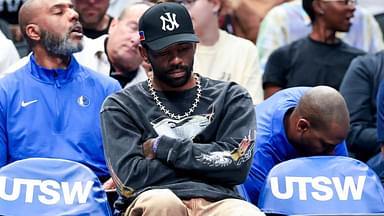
[(178, 143), (359, 88)]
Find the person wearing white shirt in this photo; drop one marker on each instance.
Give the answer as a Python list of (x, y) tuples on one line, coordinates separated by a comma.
[(8, 53), (117, 54), (220, 55)]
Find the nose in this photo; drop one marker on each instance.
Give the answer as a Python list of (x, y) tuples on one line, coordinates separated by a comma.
[(175, 59), (73, 15), (135, 38), (352, 5)]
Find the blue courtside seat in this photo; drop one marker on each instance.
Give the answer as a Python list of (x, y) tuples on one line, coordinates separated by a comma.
[(243, 192), (322, 185), (42, 186)]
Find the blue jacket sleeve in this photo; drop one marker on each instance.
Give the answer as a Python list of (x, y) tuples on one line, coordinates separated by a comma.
[(3, 131)]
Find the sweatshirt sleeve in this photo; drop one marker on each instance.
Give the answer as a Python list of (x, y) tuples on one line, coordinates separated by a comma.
[(226, 159), (122, 140)]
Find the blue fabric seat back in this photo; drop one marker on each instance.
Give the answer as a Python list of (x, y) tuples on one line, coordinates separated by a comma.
[(243, 192), (42, 186), (322, 185)]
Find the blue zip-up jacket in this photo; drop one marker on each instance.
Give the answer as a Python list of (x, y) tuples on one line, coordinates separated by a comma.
[(272, 146), (54, 114)]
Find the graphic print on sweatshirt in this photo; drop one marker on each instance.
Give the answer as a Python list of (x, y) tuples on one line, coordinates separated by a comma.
[(187, 127)]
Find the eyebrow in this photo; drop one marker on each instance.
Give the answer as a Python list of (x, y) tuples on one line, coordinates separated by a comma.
[(61, 6)]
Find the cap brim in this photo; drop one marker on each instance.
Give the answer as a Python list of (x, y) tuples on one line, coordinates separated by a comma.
[(171, 39)]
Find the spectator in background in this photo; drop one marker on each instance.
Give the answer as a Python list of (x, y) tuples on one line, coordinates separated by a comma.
[(93, 17), (220, 55), (246, 15), (8, 53), (289, 22), (116, 7), (179, 143), (9, 10), (117, 54), (359, 88), (4, 28), (296, 122), (50, 106), (377, 162), (321, 58)]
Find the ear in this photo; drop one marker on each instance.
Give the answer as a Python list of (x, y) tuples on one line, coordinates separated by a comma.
[(318, 7), (143, 53), (113, 25), (303, 125), (216, 6), (33, 31)]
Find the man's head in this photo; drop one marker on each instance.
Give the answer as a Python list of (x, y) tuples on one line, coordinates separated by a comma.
[(52, 25), (123, 40), (168, 43), (319, 122), (91, 12), (334, 14)]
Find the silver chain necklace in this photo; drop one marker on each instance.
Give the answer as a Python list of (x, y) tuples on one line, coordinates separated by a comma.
[(169, 113)]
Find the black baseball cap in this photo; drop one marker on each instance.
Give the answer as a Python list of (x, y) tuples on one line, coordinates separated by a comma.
[(165, 24)]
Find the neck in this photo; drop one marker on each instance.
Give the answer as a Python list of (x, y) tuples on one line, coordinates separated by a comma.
[(187, 112), (210, 34), (289, 125), (322, 34), (49, 61)]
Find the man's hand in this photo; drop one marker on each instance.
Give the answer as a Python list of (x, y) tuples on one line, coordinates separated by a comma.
[(109, 184), (148, 149)]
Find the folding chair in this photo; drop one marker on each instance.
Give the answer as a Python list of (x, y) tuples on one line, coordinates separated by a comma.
[(322, 185), (42, 186)]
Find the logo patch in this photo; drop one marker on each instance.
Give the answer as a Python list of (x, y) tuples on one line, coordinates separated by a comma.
[(142, 36), (27, 103), (169, 22), (83, 101)]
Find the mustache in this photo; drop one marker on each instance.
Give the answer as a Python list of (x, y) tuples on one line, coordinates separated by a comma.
[(76, 27), (178, 67)]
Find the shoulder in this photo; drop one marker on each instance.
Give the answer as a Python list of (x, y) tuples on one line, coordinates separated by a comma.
[(370, 59), (369, 64), (10, 82), (285, 52), (351, 50), (237, 41), (17, 65), (294, 46), (127, 98), (98, 78), (229, 87), (286, 96)]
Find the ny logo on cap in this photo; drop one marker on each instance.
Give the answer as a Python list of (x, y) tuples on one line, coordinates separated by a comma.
[(169, 22)]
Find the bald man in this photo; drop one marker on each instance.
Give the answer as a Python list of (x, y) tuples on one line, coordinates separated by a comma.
[(50, 106), (297, 122)]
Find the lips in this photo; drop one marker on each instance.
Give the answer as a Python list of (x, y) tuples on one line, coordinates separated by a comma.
[(176, 74), (77, 29)]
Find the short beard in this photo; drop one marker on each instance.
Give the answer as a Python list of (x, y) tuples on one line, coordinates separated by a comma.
[(161, 75), (59, 46)]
